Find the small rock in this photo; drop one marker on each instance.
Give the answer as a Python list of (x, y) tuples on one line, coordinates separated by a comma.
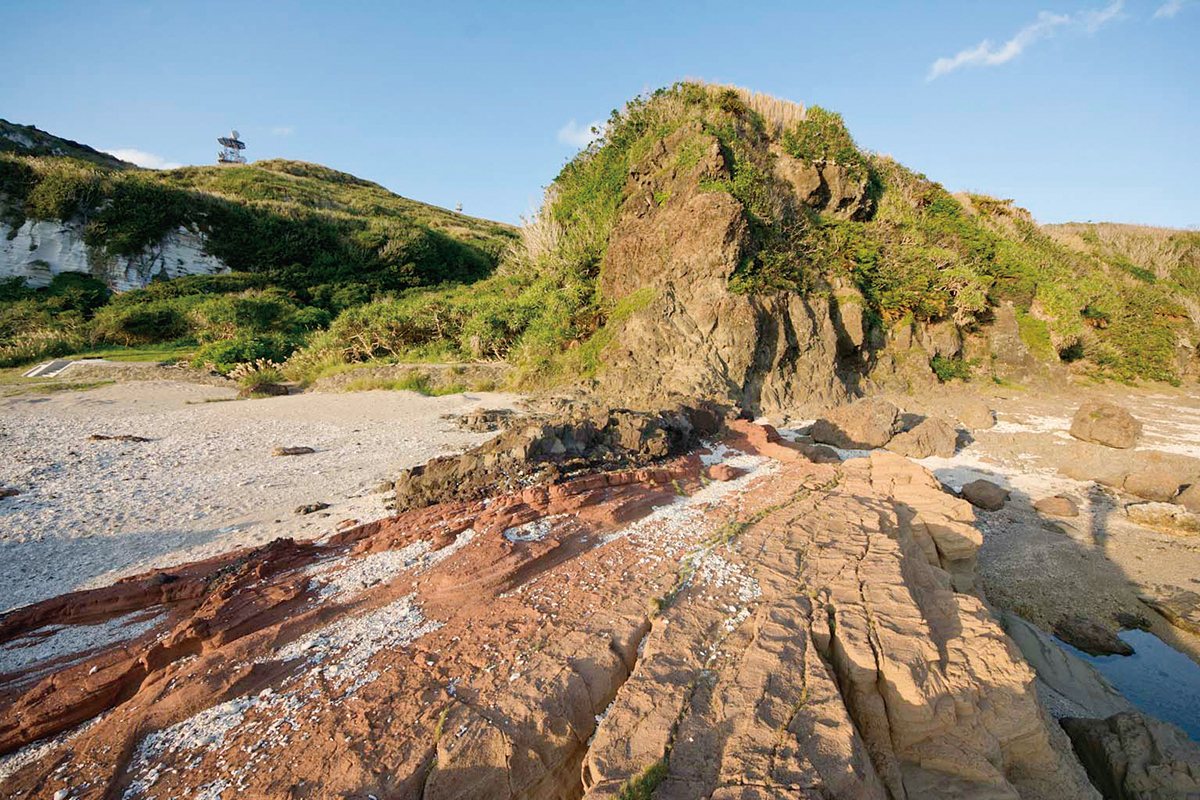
[(8, 491), (1057, 506), (1132, 621), (100, 437), (346, 523), (62, 794), (974, 414), (985, 494), (310, 508), (1106, 423), (724, 472), (820, 454), (1090, 637), (292, 451)]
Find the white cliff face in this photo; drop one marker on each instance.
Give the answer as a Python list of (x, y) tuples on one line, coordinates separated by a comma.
[(37, 251)]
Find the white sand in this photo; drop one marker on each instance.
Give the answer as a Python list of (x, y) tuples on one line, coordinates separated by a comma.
[(93, 511)]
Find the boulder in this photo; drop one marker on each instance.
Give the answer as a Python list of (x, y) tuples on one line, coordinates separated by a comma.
[(863, 425), (8, 491), (820, 454), (1090, 637), (1057, 506), (1106, 423), (1189, 498), (985, 494), (932, 437), (1158, 485), (1132, 756), (1164, 515)]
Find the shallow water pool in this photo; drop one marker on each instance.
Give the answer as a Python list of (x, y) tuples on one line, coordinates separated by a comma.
[(1157, 678)]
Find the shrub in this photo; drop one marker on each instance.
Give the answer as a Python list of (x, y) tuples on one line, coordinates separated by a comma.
[(224, 355), (948, 369)]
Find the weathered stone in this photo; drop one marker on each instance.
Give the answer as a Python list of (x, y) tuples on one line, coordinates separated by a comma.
[(985, 494), (1181, 607), (1158, 485), (932, 437), (1133, 756), (724, 472), (1057, 506), (1090, 637), (8, 491), (863, 425), (974, 414), (1164, 515), (311, 508), (1106, 423), (1189, 498)]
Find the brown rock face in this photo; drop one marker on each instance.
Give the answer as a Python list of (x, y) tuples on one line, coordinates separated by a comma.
[(694, 338), (863, 425), (801, 630), (1106, 423), (1090, 637), (1131, 756), (931, 437)]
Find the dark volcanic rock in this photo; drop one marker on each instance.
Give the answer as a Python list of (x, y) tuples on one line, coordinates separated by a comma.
[(1132, 756), (548, 451)]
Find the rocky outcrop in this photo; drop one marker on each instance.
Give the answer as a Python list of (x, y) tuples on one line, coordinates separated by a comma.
[(798, 629), (1090, 637), (690, 336), (1057, 506), (863, 425), (1106, 423), (1132, 756), (38, 250), (550, 450)]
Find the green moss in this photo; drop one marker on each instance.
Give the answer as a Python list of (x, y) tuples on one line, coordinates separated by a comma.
[(643, 785), (1036, 336)]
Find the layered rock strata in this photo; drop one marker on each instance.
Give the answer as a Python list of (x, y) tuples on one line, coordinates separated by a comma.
[(795, 630)]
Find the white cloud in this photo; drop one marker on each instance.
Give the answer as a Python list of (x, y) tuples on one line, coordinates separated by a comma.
[(1095, 19), (986, 54), (283, 130), (143, 159), (578, 135), (1168, 9)]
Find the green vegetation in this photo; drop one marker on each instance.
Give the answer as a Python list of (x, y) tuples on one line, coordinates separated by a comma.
[(642, 785), (333, 271), (948, 369)]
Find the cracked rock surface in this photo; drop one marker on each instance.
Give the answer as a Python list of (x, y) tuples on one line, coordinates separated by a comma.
[(799, 630)]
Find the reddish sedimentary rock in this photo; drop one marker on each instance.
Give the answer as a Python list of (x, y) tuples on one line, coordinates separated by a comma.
[(799, 629)]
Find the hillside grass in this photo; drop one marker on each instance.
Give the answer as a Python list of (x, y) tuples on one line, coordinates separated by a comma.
[(333, 271)]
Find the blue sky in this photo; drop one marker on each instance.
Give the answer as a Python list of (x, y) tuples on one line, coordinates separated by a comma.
[(1078, 109)]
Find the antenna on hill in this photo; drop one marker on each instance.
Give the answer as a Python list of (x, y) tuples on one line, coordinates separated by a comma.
[(458, 207), (231, 149)]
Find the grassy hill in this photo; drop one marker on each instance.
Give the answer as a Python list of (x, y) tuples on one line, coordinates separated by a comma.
[(1113, 301), (315, 237), (334, 270)]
